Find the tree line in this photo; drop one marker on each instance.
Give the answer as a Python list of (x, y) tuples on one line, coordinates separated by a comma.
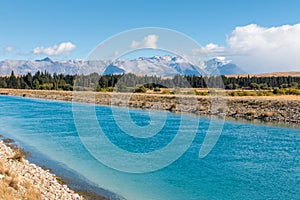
[(123, 82)]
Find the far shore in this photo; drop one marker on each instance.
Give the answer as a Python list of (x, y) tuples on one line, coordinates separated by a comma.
[(281, 108)]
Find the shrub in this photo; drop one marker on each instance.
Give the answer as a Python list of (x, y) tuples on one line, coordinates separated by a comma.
[(287, 91), (19, 155), (202, 93), (293, 91), (191, 92), (250, 93), (284, 86), (265, 93), (109, 89), (231, 86), (176, 90), (67, 87), (276, 90), (172, 107), (46, 86), (140, 89), (123, 88), (167, 92), (254, 86), (156, 89), (263, 86), (294, 85)]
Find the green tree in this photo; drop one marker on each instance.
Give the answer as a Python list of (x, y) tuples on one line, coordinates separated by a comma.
[(294, 85), (36, 84), (12, 81), (254, 86)]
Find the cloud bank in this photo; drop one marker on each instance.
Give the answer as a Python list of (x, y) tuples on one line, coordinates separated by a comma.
[(266, 49), (64, 48), (259, 49), (150, 41)]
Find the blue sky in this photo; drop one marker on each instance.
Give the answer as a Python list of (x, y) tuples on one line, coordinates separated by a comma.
[(26, 25)]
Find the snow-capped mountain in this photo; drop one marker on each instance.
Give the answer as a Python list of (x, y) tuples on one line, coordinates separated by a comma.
[(156, 65), (46, 64), (220, 65)]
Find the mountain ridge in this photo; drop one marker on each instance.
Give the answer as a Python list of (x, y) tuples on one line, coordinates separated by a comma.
[(156, 65)]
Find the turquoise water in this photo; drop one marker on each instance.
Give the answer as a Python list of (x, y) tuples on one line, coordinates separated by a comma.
[(249, 161)]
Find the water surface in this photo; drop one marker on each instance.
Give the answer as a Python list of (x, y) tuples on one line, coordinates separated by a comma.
[(249, 161)]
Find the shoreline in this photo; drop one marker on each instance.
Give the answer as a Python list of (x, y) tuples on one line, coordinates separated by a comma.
[(283, 109)]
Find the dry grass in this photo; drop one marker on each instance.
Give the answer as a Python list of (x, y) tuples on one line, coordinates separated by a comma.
[(276, 74), (10, 186), (2, 169), (6, 192), (32, 193), (268, 114), (251, 112), (19, 155), (201, 108), (277, 97), (13, 181), (104, 97)]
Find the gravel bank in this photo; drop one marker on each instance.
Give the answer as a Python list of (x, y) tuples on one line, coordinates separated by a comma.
[(28, 181)]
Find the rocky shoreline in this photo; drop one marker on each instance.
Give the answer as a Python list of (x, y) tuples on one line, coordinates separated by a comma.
[(20, 179), (270, 108)]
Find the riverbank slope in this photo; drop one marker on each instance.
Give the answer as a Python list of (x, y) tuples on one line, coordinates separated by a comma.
[(20, 179)]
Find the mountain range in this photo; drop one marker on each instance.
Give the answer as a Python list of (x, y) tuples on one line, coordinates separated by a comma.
[(156, 65)]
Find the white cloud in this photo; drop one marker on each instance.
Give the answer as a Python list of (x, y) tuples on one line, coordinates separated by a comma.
[(8, 49), (260, 49), (209, 49), (63, 48), (150, 41), (214, 48)]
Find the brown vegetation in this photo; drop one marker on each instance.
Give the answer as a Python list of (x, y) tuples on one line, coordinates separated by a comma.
[(276, 74), (10, 186)]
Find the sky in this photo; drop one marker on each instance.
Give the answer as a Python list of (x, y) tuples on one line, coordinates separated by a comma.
[(260, 35)]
